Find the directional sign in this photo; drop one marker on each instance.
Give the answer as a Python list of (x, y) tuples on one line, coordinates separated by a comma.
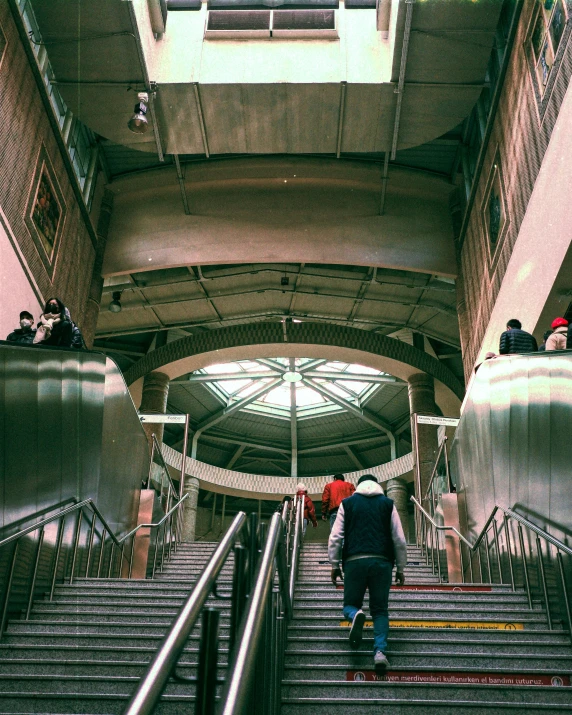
[(164, 419), (428, 420)]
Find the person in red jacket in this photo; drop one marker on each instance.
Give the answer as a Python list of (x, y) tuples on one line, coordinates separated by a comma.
[(334, 493), (309, 510)]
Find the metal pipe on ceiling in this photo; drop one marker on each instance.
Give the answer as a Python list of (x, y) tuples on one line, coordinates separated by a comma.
[(181, 180), (401, 81), (342, 109), (202, 123)]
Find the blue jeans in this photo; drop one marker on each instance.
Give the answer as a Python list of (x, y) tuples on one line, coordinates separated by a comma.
[(333, 515), (375, 574)]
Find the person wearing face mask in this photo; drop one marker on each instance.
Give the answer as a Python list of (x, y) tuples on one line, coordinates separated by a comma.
[(24, 335), (55, 326)]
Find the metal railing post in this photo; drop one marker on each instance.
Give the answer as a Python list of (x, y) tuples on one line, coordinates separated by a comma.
[(497, 546), (525, 566), (543, 579), (208, 663), (564, 589), (509, 550), (239, 594), (35, 573), (8, 589), (76, 544), (101, 551), (59, 540), (91, 535)]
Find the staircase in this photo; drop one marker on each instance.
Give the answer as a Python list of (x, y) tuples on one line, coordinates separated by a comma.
[(435, 665), (85, 651)]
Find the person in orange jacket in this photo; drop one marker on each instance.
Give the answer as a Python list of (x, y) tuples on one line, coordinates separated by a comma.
[(334, 493), (309, 510)]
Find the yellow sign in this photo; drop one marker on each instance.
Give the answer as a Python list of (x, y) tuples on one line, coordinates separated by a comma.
[(471, 625)]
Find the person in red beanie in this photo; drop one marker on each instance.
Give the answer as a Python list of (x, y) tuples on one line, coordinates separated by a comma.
[(557, 341)]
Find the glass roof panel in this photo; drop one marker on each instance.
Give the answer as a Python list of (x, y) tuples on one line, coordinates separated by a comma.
[(309, 401)]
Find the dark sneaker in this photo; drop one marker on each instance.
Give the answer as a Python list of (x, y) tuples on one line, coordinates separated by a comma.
[(380, 662), (356, 631)]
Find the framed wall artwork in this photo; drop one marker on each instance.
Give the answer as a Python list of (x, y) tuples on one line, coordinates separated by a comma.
[(494, 212), (45, 211)]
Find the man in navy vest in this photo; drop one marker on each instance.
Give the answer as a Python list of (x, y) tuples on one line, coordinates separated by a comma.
[(368, 538)]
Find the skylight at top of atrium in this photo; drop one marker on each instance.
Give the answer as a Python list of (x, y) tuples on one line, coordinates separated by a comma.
[(265, 385)]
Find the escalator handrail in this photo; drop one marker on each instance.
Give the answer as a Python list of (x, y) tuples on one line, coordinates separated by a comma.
[(158, 672), (512, 514)]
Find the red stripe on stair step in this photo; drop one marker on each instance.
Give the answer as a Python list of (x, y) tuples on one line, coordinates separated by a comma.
[(459, 678)]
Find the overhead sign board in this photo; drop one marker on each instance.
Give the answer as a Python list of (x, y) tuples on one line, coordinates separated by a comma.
[(164, 419), (428, 420)]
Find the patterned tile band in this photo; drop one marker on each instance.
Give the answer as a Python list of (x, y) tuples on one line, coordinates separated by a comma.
[(268, 487)]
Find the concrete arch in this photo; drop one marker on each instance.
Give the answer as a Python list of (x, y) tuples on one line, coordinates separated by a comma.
[(320, 340)]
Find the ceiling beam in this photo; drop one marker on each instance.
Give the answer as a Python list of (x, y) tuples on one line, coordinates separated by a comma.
[(224, 413), (429, 303), (273, 364), (181, 180), (351, 454), (236, 456), (215, 377), (360, 412), (373, 325), (342, 444)]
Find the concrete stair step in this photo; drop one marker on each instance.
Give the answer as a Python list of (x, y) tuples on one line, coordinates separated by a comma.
[(436, 646), (84, 628), (410, 706), (317, 617), (312, 662), (117, 651), (317, 637), (146, 640), (426, 588), (115, 617), (85, 684), (79, 703), (333, 599), (385, 691), (57, 669)]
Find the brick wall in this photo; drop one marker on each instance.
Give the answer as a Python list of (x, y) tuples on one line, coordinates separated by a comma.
[(519, 139), (25, 129)]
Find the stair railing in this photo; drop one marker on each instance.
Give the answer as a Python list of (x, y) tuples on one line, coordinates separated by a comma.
[(491, 555), (92, 560), (164, 664), (261, 642)]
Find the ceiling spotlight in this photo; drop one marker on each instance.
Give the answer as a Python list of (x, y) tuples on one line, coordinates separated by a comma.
[(138, 123), (284, 281), (115, 305)]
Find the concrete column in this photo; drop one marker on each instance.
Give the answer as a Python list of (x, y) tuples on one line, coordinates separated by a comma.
[(422, 402), (396, 489), (190, 508), (154, 401)]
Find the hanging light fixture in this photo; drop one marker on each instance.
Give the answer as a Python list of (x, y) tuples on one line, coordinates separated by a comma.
[(138, 123), (115, 305)]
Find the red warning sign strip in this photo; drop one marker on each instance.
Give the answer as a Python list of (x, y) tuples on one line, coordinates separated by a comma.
[(459, 678), (439, 587)]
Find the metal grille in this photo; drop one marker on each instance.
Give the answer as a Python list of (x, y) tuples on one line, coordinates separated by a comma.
[(304, 20), (241, 20)]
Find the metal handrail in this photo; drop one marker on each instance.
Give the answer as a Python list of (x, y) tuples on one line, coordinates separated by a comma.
[(298, 512), (59, 515), (157, 447), (161, 667), (434, 472), (159, 523), (525, 522), (241, 667)]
